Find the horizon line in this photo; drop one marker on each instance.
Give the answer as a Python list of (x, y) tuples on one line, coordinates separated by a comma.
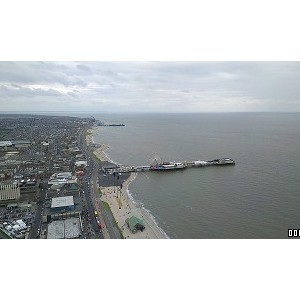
[(142, 112)]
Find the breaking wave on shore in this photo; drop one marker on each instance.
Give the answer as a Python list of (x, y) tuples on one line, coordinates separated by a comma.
[(145, 211), (109, 158), (136, 204)]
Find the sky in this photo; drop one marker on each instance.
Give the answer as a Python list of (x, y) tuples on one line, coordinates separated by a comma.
[(113, 87)]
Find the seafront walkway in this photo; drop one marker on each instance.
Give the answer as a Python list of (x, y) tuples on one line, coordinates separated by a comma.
[(97, 204), (122, 208)]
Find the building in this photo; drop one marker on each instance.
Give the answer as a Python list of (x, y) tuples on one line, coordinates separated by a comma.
[(62, 207), (63, 189), (81, 163), (4, 144), (9, 192), (135, 224), (59, 178), (64, 229), (62, 204), (21, 143)]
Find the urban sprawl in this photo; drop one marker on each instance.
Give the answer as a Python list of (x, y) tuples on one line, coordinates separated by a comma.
[(49, 181)]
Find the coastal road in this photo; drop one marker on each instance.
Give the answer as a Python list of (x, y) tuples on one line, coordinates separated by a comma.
[(113, 231), (91, 209), (87, 184), (36, 225), (92, 175)]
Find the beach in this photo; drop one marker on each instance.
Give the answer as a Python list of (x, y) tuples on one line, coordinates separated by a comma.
[(122, 205)]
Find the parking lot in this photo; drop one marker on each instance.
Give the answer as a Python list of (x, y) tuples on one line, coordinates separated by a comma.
[(16, 213), (109, 179)]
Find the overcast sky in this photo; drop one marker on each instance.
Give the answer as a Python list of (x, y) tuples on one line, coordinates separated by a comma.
[(150, 86)]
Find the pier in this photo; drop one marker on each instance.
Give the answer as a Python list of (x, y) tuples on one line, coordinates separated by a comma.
[(168, 166)]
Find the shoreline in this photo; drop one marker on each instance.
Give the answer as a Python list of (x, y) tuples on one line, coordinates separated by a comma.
[(122, 204)]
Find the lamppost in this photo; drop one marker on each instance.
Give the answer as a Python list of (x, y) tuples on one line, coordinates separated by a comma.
[(117, 184), (114, 181)]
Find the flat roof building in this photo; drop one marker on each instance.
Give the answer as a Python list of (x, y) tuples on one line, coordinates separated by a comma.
[(5, 143), (9, 192), (56, 230), (62, 206), (62, 203), (64, 229), (80, 163)]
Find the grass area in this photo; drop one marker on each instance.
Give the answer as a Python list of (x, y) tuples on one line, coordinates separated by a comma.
[(107, 208), (96, 158), (4, 235), (121, 234), (99, 191)]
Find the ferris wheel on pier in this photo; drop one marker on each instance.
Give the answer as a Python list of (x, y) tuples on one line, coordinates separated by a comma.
[(155, 160)]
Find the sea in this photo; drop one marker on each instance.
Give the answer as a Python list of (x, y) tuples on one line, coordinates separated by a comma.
[(257, 198)]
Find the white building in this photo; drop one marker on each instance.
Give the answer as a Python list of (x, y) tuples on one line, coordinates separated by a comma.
[(81, 163), (5, 144), (9, 192), (66, 202), (59, 178)]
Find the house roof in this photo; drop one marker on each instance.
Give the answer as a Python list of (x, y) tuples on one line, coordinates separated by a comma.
[(133, 221), (62, 201)]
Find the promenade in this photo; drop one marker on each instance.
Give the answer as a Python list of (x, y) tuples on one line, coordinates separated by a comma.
[(123, 207)]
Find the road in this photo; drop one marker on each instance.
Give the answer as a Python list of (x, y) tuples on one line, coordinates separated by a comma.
[(86, 184), (113, 231), (89, 186), (91, 209), (93, 178), (36, 225)]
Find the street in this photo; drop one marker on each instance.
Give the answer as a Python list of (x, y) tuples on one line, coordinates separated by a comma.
[(36, 225), (86, 186)]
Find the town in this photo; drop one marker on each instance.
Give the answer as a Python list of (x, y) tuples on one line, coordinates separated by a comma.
[(49, 180)]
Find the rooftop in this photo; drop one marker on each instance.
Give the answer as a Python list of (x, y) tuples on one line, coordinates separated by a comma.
[(62, 201), (133, 221), (72, 228), (56, 230), (64, 229), (81, 163), (5, 143)]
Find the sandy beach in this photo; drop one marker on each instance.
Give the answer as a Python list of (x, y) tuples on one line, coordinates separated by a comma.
[(123, 207), (99, 152)]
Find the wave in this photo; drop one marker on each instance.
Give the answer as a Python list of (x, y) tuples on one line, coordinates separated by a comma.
[(137, 204), (150, 215), (94, 134), (110, 159), (146, 211)]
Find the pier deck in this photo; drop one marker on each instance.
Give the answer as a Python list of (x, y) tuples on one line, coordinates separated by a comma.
[(176, 165)]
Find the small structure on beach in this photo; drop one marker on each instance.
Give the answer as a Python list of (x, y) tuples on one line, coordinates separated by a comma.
[(110, 168), (135, 224)]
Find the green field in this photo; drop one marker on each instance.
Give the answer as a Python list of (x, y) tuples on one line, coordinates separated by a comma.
[(4, 235)]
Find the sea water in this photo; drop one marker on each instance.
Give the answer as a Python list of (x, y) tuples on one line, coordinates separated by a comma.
[(259, 197)]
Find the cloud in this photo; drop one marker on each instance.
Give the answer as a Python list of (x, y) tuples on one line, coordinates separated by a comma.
[(152, 86), (15, 91), (39, 72), (84, 68)]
